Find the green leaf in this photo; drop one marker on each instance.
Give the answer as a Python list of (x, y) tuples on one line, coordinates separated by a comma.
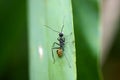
[(87, 36), (53, 13)]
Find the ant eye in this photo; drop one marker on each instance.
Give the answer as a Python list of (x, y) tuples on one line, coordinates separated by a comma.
[(60, 34)]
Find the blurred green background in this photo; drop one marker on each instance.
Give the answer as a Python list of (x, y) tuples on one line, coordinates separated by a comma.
[(13, 41)]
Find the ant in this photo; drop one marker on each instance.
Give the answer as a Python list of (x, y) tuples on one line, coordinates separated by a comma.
[(61, 44)]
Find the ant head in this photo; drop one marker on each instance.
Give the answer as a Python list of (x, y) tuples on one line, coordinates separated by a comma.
[(61, 34)]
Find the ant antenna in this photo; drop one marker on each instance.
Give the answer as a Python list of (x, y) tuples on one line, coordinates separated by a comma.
[(63, 24), (52, 29), (62, 28)]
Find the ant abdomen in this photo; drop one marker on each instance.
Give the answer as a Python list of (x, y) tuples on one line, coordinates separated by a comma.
[(60, 52)]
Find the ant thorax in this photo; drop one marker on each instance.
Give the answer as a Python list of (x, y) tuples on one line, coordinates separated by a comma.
[(61, 39)]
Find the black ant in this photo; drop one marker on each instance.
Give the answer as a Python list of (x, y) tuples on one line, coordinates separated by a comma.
[(61, 44)]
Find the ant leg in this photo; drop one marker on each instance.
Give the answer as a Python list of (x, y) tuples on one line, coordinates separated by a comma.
[(70, 42), (67, 60), (53, 49), (53, 53), (55, 43), (70, 34)]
